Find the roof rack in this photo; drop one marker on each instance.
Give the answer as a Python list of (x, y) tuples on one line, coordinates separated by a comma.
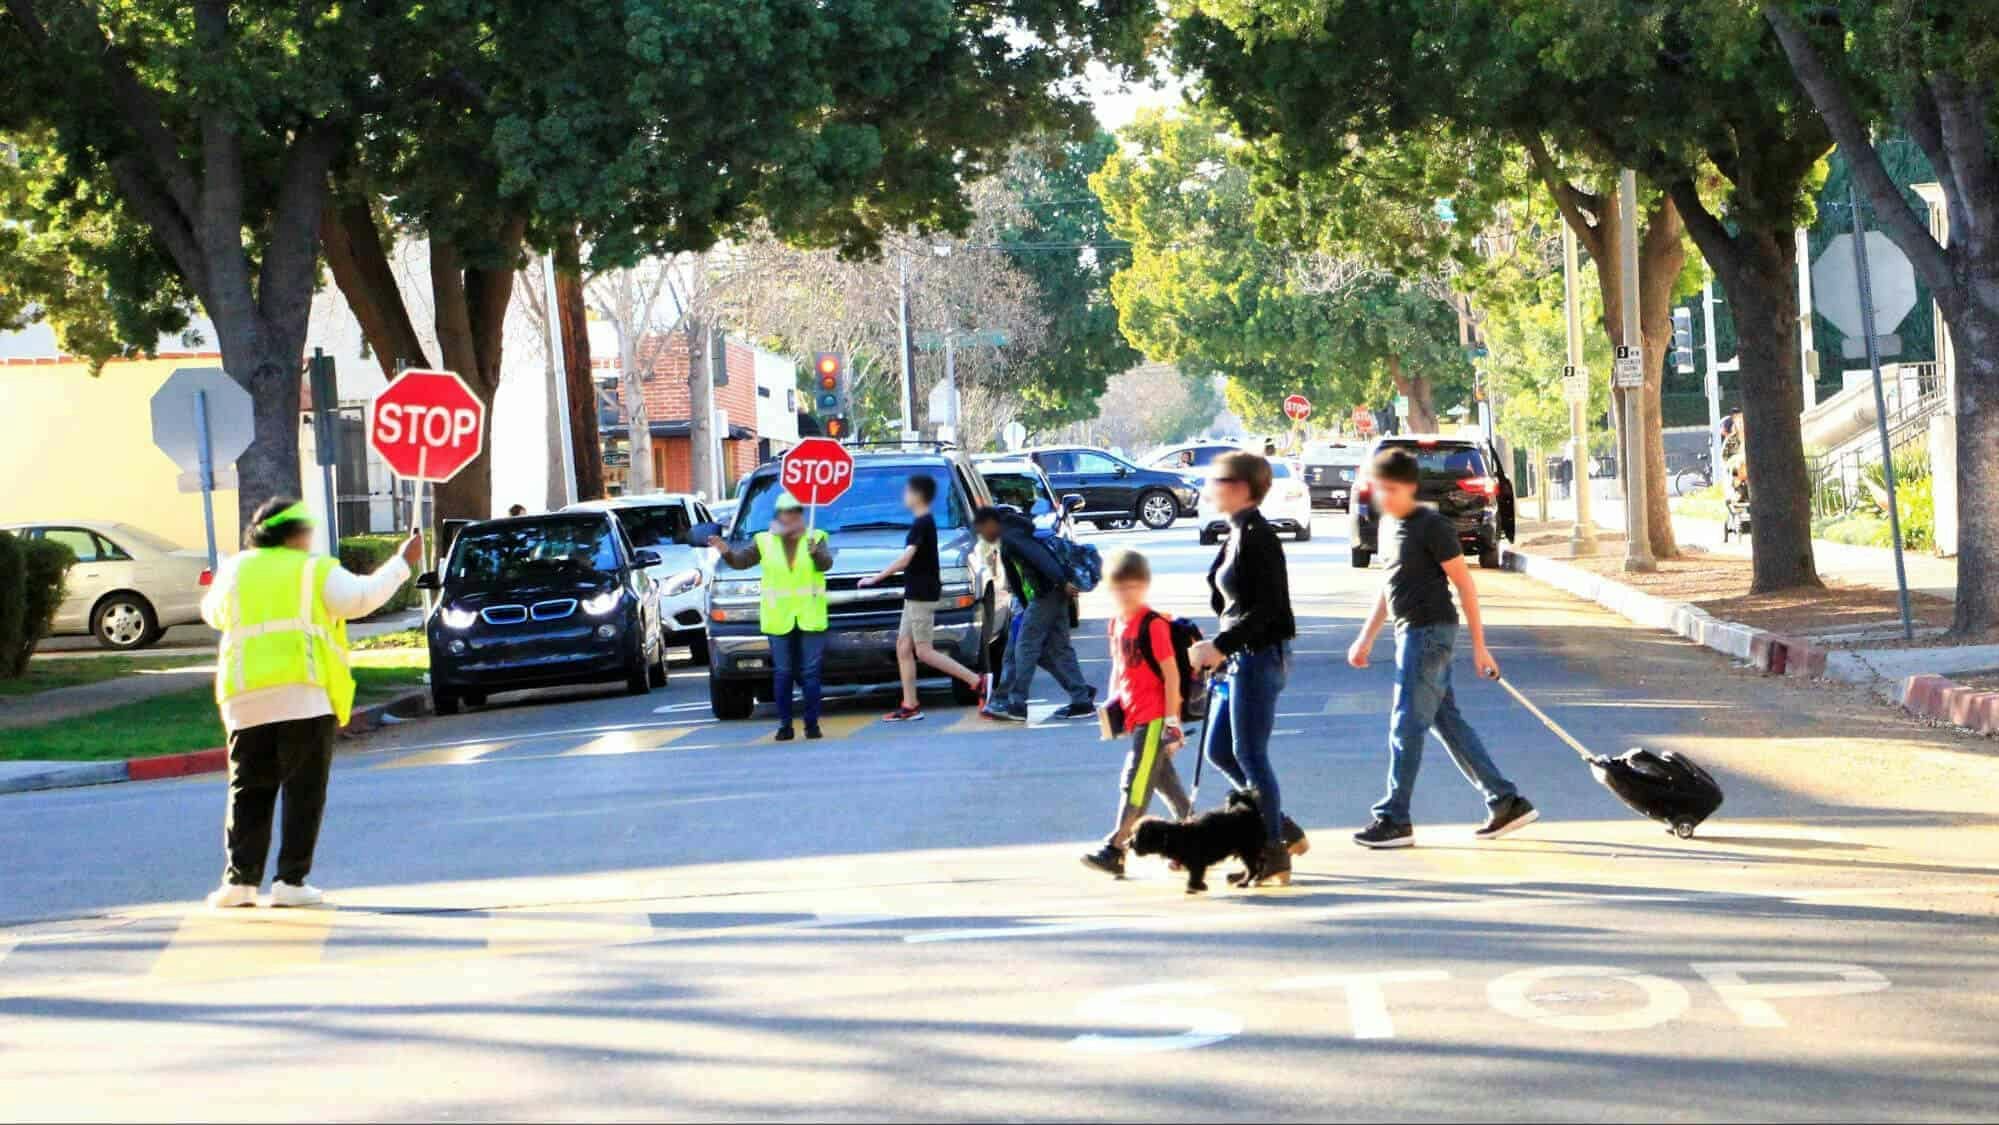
[(914, 443)]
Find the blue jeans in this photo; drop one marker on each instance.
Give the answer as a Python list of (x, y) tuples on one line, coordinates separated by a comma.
[(1423, 700), (1237, 738), (1043, 642), (795, 658)]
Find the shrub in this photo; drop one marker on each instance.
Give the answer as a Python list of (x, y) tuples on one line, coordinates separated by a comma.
[(13, 597), (45, 576), (1915, 503), (362, 554)]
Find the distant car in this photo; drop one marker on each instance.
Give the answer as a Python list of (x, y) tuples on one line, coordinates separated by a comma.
[(1288, 506), (1116, 492), (1330, 469), (660, 522), (1020, 484), (127, 587), (1460, 477), (1193, 458), (543, 601), (867, 526)]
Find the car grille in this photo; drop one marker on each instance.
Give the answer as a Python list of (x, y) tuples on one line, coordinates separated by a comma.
[(553, 610), (504, 614)]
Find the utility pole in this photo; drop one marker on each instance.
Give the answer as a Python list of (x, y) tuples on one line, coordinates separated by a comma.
[(1807, 357), (1637, 536), (559, 372), (1714, 467), (907, 397), (1582, 538), (701, 406)]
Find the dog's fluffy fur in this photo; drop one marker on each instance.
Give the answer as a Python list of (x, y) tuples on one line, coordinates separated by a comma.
[(1236, 829)]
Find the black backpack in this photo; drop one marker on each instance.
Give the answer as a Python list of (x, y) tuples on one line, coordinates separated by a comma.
[(1193, 690)]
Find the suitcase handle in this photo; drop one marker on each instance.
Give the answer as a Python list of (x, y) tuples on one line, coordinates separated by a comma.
[(1551, 724)]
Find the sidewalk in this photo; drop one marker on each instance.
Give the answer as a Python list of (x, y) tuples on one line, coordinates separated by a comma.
[(72, 702), (191, 640)]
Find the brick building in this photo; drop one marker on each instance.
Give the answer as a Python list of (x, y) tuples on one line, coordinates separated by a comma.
[(669, 408)]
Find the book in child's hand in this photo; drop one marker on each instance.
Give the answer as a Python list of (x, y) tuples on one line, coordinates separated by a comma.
[(1110, 719)]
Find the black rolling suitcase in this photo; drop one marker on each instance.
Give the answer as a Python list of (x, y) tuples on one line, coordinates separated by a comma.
[(1663, 785)]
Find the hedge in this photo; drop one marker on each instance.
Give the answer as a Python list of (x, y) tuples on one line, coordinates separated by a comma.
[(33, 575), (362, 554)]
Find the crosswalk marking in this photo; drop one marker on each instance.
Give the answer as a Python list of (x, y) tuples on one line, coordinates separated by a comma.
[(444, 756), (234, 943), (834, 726), (530, 931), (628, 742)]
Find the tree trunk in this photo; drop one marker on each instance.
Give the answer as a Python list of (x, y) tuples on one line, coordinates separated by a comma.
[(700, 412), (1759, 270), (270, 467), (1661, 256), (1975, 338), (638, 422), (1422, 417), (359, 263), (584, 437), (471, 308)]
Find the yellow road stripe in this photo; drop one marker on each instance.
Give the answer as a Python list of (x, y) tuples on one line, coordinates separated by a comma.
[(226, 944), (513, 932), (628, 741), (835, 726), (444, 756)]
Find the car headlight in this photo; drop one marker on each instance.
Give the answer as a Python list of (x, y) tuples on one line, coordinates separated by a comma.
[(737, 587), (456, 618), (597, 605), (684, 581)]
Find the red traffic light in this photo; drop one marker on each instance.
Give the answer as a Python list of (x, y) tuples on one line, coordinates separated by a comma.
[(828, 365)]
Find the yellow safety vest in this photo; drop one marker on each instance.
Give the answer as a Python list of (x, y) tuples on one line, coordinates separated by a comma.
[(794, 590), (276, 631)]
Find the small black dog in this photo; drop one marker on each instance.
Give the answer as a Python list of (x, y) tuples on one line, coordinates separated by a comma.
[(1236, 829)]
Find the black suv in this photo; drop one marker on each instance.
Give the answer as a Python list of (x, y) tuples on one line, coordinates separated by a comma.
[(1461, 477), (866, 526), (537, 601), (1116, 492)]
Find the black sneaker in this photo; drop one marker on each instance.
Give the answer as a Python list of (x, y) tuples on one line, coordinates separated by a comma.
[(1275, 868), (1077, 711), (813, 733), (1007, 714), (1513, 814), (784, 734), (1108, 859), (1385, 834)]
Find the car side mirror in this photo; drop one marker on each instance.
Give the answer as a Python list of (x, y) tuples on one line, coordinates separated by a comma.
[(645, 556), (1073, 502), (428, 581), (1122, 471)]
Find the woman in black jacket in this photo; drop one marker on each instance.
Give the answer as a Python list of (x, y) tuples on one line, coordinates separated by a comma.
[(1251, 590)]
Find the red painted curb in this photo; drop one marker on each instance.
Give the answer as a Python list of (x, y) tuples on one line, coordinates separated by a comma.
[(1935, 697), (176, 765)]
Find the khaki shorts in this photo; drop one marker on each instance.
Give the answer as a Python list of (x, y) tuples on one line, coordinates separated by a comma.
[(919, 622)]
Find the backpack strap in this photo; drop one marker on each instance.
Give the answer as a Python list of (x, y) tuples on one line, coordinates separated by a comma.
[(1145, 641)]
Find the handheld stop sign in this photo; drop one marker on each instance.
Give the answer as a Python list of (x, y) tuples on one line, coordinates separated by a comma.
[(816, 471)]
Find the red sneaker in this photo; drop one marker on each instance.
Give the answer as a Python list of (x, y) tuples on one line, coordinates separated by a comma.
[(903, 714)]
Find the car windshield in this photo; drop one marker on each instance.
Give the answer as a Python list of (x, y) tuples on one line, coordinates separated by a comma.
[(655, 525), (1020, 489), (872, 503), (525, 551), (1332, 454), (1445, 462)]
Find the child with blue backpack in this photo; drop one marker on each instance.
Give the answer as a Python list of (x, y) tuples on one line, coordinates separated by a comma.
[(1036, 578)]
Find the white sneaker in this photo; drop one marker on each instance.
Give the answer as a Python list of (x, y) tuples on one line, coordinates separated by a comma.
[(296, 894), (228, 896)]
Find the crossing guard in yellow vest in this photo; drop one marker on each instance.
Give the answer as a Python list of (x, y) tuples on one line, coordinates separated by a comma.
[(284, 689), (793, 610)]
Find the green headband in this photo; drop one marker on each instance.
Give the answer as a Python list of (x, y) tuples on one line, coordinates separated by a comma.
[(295, 514)]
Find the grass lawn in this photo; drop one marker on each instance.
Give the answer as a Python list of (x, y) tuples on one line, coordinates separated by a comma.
[(401, 638), (48, 673), (167, 724)]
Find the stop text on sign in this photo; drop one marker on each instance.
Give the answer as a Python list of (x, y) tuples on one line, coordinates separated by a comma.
[(817, 471), (427, 425), (424, 425)]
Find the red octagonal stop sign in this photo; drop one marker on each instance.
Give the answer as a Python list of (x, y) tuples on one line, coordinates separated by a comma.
[(428, 425), (1298, 407), (817, 470)]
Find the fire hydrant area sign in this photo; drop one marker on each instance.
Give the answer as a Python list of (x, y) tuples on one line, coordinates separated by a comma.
[(1629, 370), (427, 425)]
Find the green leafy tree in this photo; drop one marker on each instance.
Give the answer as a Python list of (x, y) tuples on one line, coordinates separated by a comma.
[(1925, 68), (1691, 93)]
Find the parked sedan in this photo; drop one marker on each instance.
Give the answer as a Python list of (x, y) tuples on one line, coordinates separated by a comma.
[(1288, 506), (540, 601), (127, 586), (660, 522)]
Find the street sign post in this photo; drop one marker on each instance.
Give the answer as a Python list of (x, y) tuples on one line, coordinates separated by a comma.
[(1014, 435), (1629, 370), (1297, 408), (204, 421), (816, 471), (1575, 384)]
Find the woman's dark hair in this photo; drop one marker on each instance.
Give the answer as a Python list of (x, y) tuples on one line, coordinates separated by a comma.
[(261, 534), (925, 487), (1399, 465), (1247, 467)]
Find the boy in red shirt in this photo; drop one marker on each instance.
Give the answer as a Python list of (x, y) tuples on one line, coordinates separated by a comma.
[(1145, 686)]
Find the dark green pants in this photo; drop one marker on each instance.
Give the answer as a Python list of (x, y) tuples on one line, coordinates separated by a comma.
[(294, 758)]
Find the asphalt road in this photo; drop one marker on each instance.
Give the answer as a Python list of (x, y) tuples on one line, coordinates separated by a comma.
[(587, 905)]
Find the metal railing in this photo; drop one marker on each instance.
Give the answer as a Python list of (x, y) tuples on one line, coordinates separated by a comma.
[(1840, 476)]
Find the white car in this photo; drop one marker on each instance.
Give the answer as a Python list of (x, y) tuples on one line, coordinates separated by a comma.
[(1288, 506), (127, 586), (660, 521), (1193, 458)]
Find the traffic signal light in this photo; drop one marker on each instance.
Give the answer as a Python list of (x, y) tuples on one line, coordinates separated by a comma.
[(1683, 340), (830, 398)]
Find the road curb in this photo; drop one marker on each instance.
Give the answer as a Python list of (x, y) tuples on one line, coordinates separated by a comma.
[(1767, 652), (363, 721), (1935, 697)]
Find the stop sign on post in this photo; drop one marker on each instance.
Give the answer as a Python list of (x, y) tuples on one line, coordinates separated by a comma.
[(817, 471), (1363, 419), (1298, 408), (428, 425)]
